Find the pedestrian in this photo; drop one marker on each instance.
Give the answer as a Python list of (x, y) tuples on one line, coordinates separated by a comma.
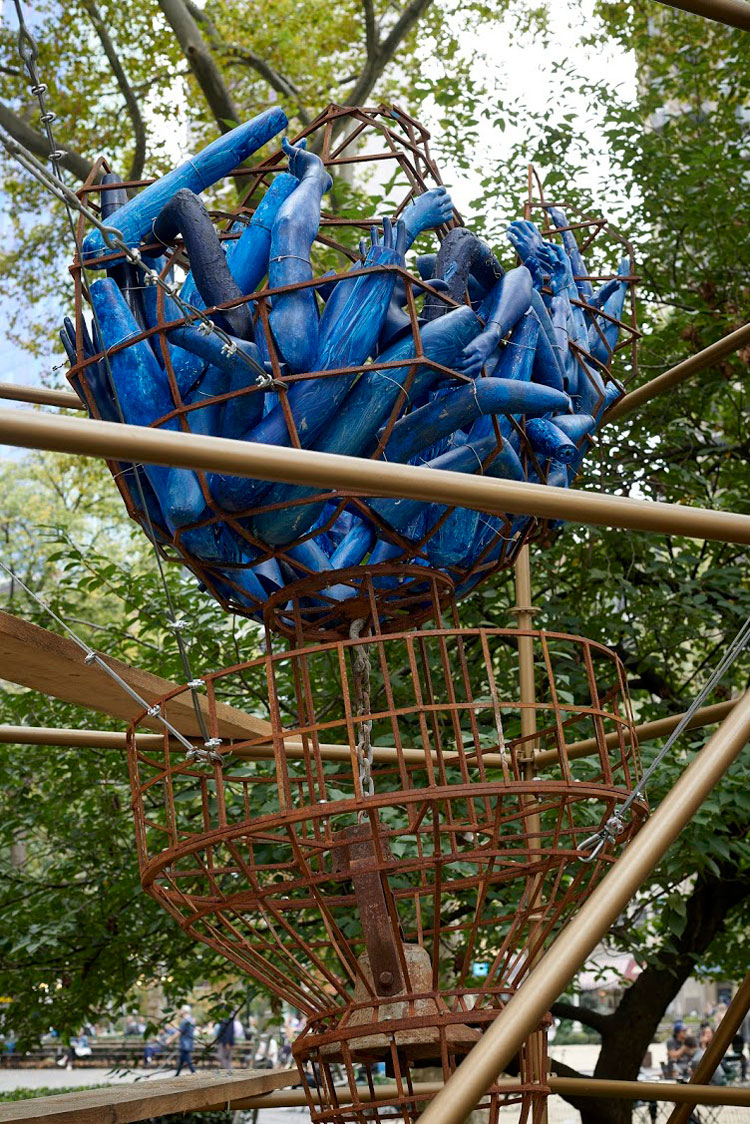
[(225, 1036), (186, 1034)]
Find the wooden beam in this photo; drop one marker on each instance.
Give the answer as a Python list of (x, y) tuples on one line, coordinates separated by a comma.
[(121, 1104), (34, 657)]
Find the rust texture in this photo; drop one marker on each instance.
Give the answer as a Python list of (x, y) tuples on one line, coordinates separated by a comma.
[(400, 922), (384, 136)]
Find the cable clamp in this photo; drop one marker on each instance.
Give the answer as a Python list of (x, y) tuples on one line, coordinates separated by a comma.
[(90, 658), (205, 327), (609, 833), (229, 348), (179, 625), (154, 711), (207, 755), (194, 684)]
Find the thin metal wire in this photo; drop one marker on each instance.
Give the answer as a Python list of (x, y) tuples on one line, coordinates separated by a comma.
[(92, 657), (616, 823)]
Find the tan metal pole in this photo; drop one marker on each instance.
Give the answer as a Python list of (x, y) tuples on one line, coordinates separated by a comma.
[(649, 1091), (563, 1086), (112, 739), (675, 375), (578, 939), (376, 478), (40, 396), (734, 13), (645, 731), (717, 1048), (532, 821)]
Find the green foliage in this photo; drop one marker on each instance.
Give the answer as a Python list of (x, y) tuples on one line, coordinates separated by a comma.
[(677, 161)]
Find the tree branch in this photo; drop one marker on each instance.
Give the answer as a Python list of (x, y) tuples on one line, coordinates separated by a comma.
[(594, 1019), (240, 55), (378, 59), (131, 101), (202, 64), (371, 31), (26, 135)]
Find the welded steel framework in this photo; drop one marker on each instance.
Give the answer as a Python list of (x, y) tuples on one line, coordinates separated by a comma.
[(344, 136), (252, 857)]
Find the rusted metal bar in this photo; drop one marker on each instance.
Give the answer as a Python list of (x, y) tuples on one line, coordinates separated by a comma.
[(578, 939), (734, 13), (675, 375), (716, 1049), (40, 396), (377, 478)]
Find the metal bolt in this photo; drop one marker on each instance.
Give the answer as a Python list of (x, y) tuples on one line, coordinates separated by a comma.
[(386, 978)]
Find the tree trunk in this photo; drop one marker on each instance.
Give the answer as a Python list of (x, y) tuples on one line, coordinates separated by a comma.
[(629, 1031)]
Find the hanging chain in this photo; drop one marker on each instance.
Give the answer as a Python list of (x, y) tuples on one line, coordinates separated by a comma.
[(363, 746), (615, 825), (28, 52)]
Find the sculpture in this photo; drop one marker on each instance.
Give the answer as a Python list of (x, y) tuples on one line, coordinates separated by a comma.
[(512, 383), (327, 856)]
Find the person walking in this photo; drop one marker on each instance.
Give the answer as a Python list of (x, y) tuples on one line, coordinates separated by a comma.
[(186, 1034), (224, 1042)]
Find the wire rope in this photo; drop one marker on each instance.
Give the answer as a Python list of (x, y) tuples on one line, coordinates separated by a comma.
[(615, 825)]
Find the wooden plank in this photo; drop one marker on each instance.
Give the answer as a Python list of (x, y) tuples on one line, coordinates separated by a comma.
[(120, 1104), (34, 657)]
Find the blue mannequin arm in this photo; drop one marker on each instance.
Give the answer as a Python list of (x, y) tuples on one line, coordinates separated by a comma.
[(197, 172)]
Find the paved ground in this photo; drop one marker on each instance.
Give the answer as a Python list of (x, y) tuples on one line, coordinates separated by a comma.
[(580, 1057)]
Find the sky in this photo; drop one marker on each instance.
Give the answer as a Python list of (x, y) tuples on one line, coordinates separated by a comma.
[(522, 67)]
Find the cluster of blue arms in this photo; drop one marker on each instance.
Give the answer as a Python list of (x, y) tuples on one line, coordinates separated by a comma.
[(516, 334)]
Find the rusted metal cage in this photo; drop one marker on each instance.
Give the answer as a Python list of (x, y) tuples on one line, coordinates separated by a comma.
[(389, 141), (396, 861)]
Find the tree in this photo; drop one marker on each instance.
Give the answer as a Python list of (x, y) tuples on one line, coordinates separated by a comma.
[(667, 606), (126, 79)]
